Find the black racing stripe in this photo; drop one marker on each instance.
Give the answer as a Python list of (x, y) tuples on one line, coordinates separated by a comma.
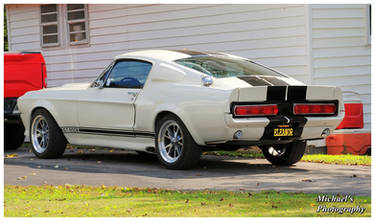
[(297, 93), (100, 131), (109, 132), (276, 93), (285, 116)]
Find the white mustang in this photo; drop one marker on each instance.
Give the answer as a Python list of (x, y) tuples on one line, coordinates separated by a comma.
[(176, 103)]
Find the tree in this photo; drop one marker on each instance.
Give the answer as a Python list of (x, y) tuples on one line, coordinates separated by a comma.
[(5, 31)]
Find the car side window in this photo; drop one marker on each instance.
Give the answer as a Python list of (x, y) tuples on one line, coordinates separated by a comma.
[(128, 74)]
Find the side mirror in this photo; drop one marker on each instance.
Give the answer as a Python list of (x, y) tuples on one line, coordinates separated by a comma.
[(99, 84)]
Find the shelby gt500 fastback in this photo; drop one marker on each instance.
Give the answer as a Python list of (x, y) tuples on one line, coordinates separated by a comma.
[(176, 103)]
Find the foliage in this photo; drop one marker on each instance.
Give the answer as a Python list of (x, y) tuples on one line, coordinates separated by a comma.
[(5, 31)]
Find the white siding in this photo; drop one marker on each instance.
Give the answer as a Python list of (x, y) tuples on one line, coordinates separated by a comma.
[(24, 32), (274, 35), (340, 54)]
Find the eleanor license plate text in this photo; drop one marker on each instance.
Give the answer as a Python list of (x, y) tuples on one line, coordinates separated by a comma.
[(283, 132)]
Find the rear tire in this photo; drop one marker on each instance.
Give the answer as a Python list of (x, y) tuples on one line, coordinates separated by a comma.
[(175, 147), (286, 154), (46, 137), (13, 136), (368, 152)]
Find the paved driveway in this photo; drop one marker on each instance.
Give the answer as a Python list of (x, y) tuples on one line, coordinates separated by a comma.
[(125, 168)]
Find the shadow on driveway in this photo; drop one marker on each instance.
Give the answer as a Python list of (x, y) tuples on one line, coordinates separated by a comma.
[(128, 162)]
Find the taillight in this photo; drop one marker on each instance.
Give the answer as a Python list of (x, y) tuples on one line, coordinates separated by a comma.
[(255, 110), (302, 109)]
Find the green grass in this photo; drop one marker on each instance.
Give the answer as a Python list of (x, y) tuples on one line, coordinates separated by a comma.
[(338, 159), (79, 201), (246, 154), (316, 158)]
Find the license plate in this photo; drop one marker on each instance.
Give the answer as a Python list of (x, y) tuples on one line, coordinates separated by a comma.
[(283, 132)]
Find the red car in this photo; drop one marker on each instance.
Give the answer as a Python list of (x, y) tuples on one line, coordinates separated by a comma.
[(23, 72), (350, 137)]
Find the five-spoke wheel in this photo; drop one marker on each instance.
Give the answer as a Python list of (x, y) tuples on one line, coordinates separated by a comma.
[(46, 137), (39, 135), (175, 147), (170, 141)]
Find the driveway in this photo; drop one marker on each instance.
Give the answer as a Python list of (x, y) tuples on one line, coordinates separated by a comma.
[(126, 168)]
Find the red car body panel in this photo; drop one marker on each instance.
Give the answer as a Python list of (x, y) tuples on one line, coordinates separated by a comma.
[(23, 72)]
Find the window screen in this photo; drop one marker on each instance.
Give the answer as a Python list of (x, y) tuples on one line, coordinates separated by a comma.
[(77, 23), (49, 23)]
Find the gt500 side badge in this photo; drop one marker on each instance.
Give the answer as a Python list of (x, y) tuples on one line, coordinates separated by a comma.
[(70, 130)]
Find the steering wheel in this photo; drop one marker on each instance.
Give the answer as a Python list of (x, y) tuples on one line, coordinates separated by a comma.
[(130, 81)]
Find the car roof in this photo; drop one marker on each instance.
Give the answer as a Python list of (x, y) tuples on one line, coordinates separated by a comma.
[(168, 54)]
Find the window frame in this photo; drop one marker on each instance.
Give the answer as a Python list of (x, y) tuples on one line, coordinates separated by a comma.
[(127, 59), (57, 23), (85, 20), (108, 68)]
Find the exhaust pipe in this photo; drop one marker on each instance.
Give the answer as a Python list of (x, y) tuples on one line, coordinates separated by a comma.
[(326, 132)]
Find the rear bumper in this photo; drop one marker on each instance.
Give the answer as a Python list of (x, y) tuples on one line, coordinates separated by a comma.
[(256, 131)]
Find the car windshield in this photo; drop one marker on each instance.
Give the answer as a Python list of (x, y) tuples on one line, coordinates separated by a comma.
[(225, 66)]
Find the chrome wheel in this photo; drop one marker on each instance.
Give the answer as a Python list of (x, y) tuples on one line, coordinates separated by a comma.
[(276, 152), (170, 141), (39, 134)]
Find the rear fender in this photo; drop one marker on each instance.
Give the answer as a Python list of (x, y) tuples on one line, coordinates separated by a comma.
[(185, 119)]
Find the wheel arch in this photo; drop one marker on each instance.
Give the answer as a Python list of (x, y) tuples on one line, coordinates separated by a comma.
[(198, 140), (47, 106), (49, 112)]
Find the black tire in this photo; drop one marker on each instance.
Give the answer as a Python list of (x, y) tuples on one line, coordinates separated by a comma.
[(293, 153), (368, 152), (13, 136), (191, 152), (56, 140)]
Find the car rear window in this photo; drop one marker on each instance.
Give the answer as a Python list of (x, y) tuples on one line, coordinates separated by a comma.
[(225, 66)]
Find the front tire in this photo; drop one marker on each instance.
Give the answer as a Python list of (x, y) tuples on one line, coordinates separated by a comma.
[(46, 137), (175, 147), (285, 154)]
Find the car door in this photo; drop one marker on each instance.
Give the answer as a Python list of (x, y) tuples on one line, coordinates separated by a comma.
[(109, 104)]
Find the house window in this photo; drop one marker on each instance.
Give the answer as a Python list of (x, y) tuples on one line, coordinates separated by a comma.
[(49, 23), (77, 23)]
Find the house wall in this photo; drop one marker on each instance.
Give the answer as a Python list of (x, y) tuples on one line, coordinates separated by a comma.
[(271, 34), (341, 54)]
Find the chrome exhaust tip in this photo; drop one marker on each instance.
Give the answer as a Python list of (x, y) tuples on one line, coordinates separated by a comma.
[(237, 134), (326, 132)]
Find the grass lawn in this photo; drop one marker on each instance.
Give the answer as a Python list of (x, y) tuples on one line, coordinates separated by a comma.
[(338, 159), (316, 158), (78, 201)]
